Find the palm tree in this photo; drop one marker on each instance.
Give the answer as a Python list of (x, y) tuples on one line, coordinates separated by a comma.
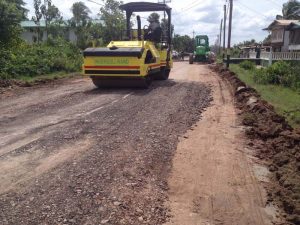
[(80, 14), (290, 11)]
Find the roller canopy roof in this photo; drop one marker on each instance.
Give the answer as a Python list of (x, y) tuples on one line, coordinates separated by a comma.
[(144, 7)]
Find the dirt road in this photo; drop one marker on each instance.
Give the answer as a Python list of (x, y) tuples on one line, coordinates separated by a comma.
[(215, 180), (72, 154)]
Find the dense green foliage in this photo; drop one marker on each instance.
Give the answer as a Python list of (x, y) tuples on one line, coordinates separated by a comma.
[(285, 100), (114, 21), (18, 59), (39, 59), (183, 43), (280, 73), (290, 10), (11, 14), (247, 65)]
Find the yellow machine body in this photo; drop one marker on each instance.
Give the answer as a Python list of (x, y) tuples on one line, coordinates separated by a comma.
[(144, 56), (149, 60)]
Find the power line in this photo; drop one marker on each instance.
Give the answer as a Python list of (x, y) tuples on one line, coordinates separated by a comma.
[(191, 5), (188, 8), (275, 3), (245, 6), (96, 2)]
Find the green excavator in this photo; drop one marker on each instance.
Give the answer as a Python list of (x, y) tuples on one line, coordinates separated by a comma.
[(202, 50)]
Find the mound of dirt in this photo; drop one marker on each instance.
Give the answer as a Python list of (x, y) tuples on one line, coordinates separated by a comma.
[(275, 140)]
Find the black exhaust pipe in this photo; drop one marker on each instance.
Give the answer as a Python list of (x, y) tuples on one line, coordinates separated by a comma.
[(138, 18)]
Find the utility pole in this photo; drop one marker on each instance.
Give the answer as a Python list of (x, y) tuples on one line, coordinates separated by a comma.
[(220, 37), (164, 2), (224, 32), (229, 33)]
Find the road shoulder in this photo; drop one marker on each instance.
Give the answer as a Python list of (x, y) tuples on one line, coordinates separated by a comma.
[(215, 179)]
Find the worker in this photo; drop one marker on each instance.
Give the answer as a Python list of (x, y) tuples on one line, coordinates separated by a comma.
[(258, 51), (182, 55), (154, 31)]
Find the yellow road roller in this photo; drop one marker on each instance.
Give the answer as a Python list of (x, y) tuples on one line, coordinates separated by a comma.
[(144, 55)]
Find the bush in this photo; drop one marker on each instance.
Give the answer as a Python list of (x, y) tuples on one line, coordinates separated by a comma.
[(39, 59), (247, 65), (260, 76), (280, 73)]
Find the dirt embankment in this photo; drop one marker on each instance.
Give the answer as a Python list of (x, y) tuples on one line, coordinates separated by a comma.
[(274, 140)]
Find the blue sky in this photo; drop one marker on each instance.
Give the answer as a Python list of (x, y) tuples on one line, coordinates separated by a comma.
[(203, 17)]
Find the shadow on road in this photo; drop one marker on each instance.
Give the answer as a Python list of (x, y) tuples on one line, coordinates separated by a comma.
[(135, 90)]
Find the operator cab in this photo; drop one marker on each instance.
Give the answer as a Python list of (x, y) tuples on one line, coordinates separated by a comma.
[(202, 40), (153, 32)]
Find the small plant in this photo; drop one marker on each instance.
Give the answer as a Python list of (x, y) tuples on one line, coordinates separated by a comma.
[(280, 73), (247, 65), (261, 76)]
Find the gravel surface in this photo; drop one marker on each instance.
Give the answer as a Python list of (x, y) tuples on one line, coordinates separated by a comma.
[(71, 154)]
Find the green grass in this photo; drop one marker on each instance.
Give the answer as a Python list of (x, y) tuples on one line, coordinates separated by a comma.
[(51, 76), (285, 100)]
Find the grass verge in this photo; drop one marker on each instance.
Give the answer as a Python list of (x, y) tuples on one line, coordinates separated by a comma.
[(285, 100)]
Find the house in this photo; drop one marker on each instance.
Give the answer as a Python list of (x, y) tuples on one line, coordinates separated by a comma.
[(30, 30), (254, 51), (280, 34), (294, 29)]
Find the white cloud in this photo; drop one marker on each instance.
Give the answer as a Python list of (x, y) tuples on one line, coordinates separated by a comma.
[(203, 17)]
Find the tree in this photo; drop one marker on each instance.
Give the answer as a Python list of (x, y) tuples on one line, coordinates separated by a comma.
[(153, 17), (113, 19), (267, 40), (95, 34), (37, 18), (247, 43), (183, 43), (82, 23), (290, 10), (80, 14), (20, 6), (50, 12), (11, 14)]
